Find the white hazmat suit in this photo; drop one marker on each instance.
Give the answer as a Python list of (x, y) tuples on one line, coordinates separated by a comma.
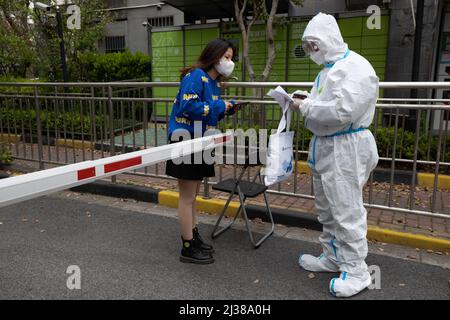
[(342, 154)]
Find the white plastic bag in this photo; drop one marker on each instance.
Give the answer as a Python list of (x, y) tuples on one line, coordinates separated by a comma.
[(279, 163)]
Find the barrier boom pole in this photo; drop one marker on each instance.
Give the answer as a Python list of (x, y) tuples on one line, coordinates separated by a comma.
[(28, 186)]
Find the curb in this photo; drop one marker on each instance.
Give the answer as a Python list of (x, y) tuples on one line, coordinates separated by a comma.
[(10, 138), (108, 189), (170, 199), (427, 180), (4, 175), (280, 215), (302, 167), (75, 144), (408, 239), (214, 206), (117, 147)]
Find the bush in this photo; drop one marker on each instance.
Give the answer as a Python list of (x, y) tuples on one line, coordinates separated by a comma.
[(94, 67), (5, 155), (11, 117), (23, 90), (405, 144), (16, 54)]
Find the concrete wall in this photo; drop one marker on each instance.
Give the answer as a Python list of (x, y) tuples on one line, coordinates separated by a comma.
[(312, 7), (401, 44), (136, 35)]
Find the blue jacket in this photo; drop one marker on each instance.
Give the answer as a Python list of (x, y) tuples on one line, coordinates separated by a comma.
[(198, 99)]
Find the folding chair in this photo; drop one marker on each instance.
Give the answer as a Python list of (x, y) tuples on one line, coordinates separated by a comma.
[(244, 190)]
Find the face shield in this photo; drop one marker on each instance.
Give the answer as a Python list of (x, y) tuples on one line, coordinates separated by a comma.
[(309, 47), (312, 51)]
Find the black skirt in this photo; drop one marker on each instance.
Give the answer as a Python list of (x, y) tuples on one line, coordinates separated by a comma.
[(190, 171)]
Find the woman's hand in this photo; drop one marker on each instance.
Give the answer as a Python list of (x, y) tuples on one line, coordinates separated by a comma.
[(229, 105)]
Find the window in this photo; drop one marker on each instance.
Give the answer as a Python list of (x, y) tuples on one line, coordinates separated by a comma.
[(160, 22), (114, 44), (299, 53)]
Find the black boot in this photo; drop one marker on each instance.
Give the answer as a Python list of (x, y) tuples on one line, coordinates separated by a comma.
[(199, 243), (191, 254)]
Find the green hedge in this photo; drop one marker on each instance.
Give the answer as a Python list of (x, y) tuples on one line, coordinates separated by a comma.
[(5, 154), (23, 90), (94, 67), (405, 144), (10, 117)]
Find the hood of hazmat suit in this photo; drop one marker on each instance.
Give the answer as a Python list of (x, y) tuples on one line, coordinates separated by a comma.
[(342, 154), (324, 31)]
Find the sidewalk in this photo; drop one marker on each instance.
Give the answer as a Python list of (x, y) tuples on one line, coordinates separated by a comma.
[(410, 223)]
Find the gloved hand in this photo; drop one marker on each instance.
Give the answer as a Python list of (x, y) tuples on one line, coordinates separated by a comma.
[(298, 96), (296, 104)]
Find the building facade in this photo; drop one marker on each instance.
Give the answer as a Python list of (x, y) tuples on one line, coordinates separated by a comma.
[(132, 27), (173, 32)]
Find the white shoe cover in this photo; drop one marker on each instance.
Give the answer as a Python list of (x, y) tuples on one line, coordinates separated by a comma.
[(317, 264), (348, 285)]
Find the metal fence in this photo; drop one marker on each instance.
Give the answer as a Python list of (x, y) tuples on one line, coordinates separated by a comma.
[(57, 124)]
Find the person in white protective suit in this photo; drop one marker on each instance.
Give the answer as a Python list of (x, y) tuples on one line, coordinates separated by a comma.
[(342, 152)]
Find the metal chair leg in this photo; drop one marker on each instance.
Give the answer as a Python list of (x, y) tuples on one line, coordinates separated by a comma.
[(242, 198), (256, 245), (215, 233)]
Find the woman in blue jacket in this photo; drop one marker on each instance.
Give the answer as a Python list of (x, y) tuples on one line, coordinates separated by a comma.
[(198, 106)]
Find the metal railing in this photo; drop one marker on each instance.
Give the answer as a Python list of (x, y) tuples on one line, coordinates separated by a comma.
[(62, 123)]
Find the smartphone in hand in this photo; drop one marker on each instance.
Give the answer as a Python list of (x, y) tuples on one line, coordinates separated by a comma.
[(240, 104), (299, 96)]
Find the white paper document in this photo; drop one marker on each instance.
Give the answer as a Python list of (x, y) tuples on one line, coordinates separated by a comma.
[(281, 96)]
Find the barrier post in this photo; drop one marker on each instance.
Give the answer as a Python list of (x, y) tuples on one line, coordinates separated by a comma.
[(112, 143), (206, 188)]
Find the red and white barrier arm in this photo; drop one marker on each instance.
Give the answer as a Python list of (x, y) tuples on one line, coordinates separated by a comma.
[(28, 186)]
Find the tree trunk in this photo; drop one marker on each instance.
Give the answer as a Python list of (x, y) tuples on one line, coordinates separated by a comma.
[(245, 30), (259, 10), (270, 42)]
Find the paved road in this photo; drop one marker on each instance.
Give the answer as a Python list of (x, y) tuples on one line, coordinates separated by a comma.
[(128, 254)]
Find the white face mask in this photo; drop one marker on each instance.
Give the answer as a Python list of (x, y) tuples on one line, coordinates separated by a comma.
[(317, 57), (225, 67)]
